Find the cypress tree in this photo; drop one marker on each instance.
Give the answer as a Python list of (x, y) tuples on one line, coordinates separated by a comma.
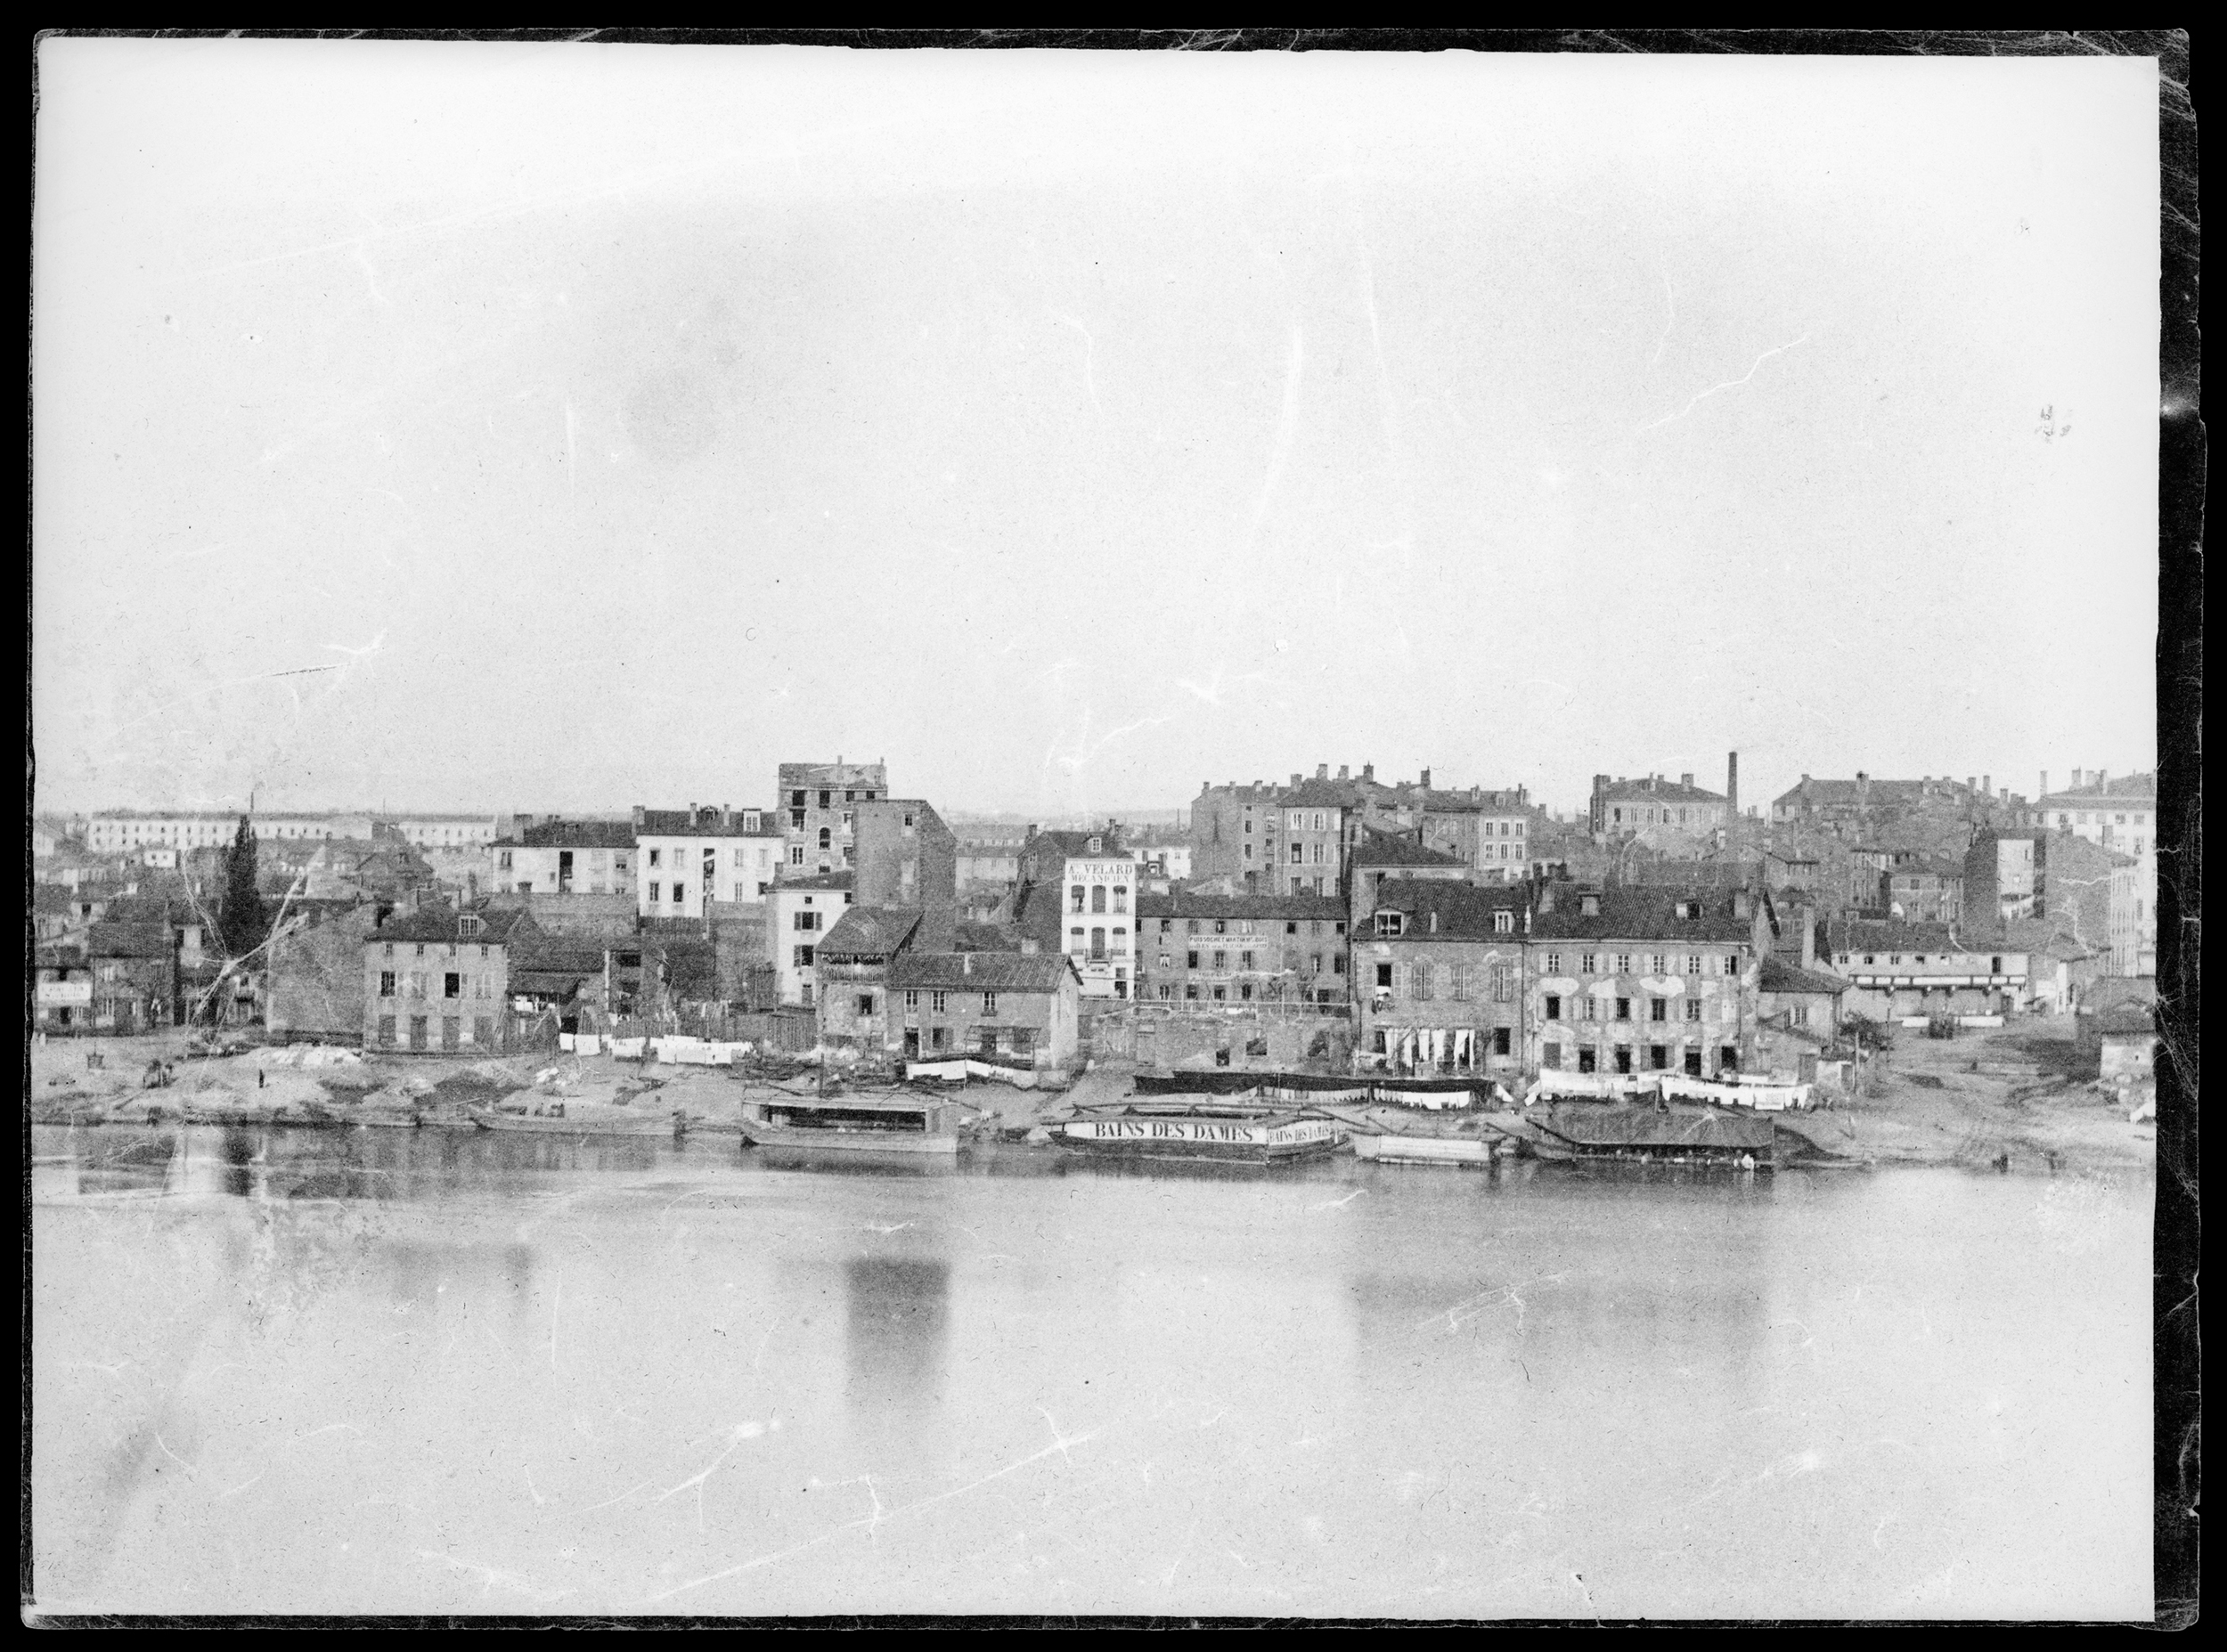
[(240, 920)]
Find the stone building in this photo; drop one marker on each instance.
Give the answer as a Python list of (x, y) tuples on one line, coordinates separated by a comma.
[(904, 854), (558, 857), (816, 804), (799, 912), (1645, 979), (1203, 949), (1622, 808), (1898, 971), (437, 978), (687, 858), (1437, 984)]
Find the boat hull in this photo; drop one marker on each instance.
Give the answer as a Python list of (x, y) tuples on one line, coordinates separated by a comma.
[(1199, 1152), (1426, 1150), (911, 1144), (517, 1124)]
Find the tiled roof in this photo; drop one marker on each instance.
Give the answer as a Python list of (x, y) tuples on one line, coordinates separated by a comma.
[(1385, 849), (979, 972), (1077, 844), (1671, 791), (1481, 802), (1185, 903), (820, 880), (2124, 1020), (129, 941), (1631, 913), (498, 926), (984, 938), (1318, 793), (813, 776), (705, 823), (1780, 976), (1463, 911), (1845, 793), (1867, 935), (2126, 788), (572, 835), (869, 933)]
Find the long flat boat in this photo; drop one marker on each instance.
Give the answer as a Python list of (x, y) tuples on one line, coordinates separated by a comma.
[(853, 1124), (525, 1124), (1638, 1133), (1211, 1131), (1429, 1150)]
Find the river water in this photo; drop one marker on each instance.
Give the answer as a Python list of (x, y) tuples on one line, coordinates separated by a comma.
[(396, 1371)]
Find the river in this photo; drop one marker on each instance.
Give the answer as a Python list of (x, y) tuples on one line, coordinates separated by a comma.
[(387, 1370)]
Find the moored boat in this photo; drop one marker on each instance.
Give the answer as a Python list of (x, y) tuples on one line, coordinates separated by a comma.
[(864, 1124), (1202, 1130), (526, 1124), (1429, 1150), (1642, 1133)]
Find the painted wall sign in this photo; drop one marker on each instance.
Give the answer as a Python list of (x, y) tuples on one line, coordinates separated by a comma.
[(1202, 1130)]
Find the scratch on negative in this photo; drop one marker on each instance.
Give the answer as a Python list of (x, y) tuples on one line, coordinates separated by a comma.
[(1733, 384)]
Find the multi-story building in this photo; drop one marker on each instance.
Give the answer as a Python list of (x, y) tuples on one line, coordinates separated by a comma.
[(554, 856), (1645, 979), (988, 1003), (817, 802), (1899, 972), (451, 831), (1382, 856), (1197, 949), (1623, 808), (125, 830), (439, 979), (2134, 918), (799, 912), (1863, 802), (1487, 831), (1922, 889), (904, 854), (1438, 982), (684, 858), (1249, 833), (1097, 921), (2119, 814), (2005, 878), (850, 970)]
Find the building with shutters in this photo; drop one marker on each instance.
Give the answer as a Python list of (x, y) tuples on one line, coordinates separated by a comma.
[(685, 858), (1206, 950), (438, 979)]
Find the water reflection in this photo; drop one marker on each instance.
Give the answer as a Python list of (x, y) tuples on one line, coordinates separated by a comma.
[(897, 1319)]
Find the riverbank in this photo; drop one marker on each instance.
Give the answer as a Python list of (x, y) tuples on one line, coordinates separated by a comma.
[(2015, 1098)]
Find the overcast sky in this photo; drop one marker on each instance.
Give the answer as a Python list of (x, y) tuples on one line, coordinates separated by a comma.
[(567, 427)]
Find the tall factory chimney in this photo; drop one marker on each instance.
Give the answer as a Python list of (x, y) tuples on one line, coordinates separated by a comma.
[(1732, 794)]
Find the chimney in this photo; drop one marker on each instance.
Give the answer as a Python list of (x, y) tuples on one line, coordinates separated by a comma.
[(2103, 779), (1426, 779), (1434, 923), (1341, 773), (1368, 771), (2044, 791), (1986, 784), (1971, 782), (639, 814), (1686, 780), (967, 964), (1322, 771)]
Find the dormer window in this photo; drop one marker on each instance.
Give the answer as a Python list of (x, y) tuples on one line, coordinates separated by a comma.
[(1589, 906), (1095, 844), (1391, 924), (1503, 921), (468, 926)]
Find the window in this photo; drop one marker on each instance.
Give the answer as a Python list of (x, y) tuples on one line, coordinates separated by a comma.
[(1553, 964), (1298, 854), (1623, 1058), (1190, 991), (1500, 1041), (1585, 963), (1799, 1015), (654, 888), (1390, 922), (937, 1036), (1190, 960), (990, 1004), (802, 958), (1728, 1058), (1420, 975), (1244, 960), (1658, 964), (1623, 963), (1098, 946), (1623, 1009), (657, 856), (912, 1000), (1586, 1058), (1221, 926), (1221, 960), (866, 1004), (1550, 1056), (1075, 897), (387, 984), (804, 921), (1383, 977), (796, 855), (1693, 963), (483, 1031), (1994, 967), (1458, 981), (1337, 963), (452, 986), (1097, 898), (1658, 1009), (1693, 1009), (1554, 1012), (827, 838), (386, 1029), (1659, 1057), (825, 799)]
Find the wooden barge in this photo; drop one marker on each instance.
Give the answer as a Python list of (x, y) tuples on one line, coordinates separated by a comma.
[(1202, 1130), (855, 1124)]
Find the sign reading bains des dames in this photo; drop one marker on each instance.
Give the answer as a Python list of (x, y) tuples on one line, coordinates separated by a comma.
[(1201, 1131)]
